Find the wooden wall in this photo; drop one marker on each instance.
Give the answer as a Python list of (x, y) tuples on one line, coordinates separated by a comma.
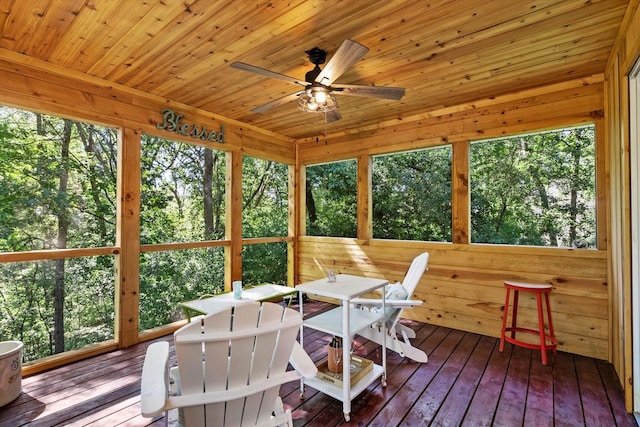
[(625, 54), (463, 288)]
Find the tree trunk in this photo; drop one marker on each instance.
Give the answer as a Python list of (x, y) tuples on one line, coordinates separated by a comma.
[(207, 193), (575, 180), (256, 195), (86, 134), (218, 199), (311, 205), (63, 229), (544, 201)]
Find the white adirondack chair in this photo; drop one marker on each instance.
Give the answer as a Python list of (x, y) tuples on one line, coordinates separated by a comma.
[(230, 367), (397, 298)]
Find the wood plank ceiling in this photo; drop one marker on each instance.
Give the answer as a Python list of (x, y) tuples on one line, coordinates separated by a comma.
[(444, 52)]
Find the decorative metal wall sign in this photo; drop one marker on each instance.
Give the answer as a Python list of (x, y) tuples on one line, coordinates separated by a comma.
[(172, 122)]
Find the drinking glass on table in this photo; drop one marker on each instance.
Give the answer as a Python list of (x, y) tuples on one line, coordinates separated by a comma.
[(237, 289)]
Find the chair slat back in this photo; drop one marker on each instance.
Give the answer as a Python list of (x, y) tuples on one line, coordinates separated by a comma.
[(415, 272), (232, 350), (409, 283)]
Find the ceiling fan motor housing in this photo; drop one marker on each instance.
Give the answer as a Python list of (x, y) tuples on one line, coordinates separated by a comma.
[(317, 56)]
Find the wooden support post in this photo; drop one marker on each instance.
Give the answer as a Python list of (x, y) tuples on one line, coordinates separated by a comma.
[(233, 218), (292, 226), (127, 288), (365, 204), (460, 193)]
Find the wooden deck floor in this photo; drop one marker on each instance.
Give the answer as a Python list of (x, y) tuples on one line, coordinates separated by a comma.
[(467, 381)]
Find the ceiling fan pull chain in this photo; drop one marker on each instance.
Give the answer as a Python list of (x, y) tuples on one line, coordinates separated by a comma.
[(325, 128)]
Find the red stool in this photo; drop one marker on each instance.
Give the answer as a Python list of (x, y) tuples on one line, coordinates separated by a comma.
[(547, 341)]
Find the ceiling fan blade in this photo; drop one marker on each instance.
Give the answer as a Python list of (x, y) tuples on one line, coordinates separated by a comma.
[(276, 102), (347, 55), (333, 115), (384, 92), (267, 73)]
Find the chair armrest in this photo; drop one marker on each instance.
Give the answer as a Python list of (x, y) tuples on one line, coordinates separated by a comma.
[(390, 303), (301, 362), (154, 383), (233, 393)]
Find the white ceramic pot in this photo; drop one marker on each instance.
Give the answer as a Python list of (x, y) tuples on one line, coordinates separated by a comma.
[(10, 371)]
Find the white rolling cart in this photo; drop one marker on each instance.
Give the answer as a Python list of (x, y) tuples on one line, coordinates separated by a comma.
[(344, 322)]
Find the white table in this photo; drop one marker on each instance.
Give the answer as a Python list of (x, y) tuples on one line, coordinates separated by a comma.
[(344, 322), (210, 304)]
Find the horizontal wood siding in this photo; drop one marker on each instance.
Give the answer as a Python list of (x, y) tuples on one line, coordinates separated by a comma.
[(463, 288)]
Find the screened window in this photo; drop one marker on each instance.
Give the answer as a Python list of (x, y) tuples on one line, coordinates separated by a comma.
[(182, 200), (182, 192), (412, 195), (536, 189), (57, 191), (331, 199), (57, 182), (168, 277), (265, 199)]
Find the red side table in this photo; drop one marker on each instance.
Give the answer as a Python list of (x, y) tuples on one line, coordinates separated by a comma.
[(547, 341)]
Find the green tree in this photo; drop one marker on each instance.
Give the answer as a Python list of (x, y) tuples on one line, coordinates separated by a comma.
[(182, 200), (535, 189), (57, 190), (331, 199), (412, 195), (264, 214)]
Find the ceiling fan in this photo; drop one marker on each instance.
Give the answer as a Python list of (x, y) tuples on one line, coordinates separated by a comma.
[(318, 95)]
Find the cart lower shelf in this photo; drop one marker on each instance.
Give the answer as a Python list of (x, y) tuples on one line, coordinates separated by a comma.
[(336, 391)]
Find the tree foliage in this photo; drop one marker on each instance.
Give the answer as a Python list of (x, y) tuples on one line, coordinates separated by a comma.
[(535, 189), (265, 203), (57, 190), (332, 199), (182, 200), (412, 195)]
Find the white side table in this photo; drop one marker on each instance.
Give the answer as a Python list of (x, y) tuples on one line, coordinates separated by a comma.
[(265, 292), (344, 322)]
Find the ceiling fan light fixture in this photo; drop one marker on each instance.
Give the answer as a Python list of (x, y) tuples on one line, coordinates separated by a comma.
[(321, 96), (317, 99)]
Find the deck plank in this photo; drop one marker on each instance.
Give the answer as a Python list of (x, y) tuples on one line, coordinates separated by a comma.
[(467, 381), (614, 391), (511, 405), (594, 397), (539, 406), (567, 404), (399, 405), (484, 403), (466, 384), (429, 403)]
